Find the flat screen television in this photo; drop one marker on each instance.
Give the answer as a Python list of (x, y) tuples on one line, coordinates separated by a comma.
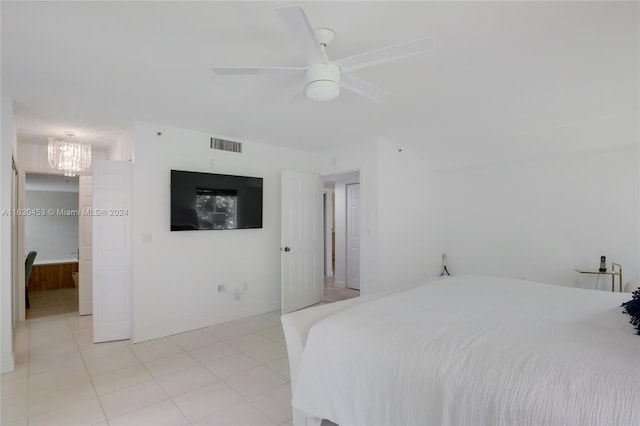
[(211, 201)]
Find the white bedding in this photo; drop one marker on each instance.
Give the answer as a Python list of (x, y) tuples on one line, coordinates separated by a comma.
[(474, 351)]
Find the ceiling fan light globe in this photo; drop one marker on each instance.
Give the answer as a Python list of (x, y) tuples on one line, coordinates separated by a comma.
[(322, 90)]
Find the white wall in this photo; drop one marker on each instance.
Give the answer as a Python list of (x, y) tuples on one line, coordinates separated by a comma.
[(7, 141), (53, 236), (540, 219), (175, 276), (410, 215)]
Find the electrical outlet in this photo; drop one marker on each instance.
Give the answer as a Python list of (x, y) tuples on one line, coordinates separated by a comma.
[(222, 288)]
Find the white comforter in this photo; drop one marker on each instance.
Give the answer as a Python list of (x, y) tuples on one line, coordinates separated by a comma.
[(475, 351)]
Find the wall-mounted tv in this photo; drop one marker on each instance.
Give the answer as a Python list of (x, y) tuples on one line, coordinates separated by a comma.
[(211, 201)]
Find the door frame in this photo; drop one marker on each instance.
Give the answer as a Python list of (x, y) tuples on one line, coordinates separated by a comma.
[(22, 177), (335, 176)]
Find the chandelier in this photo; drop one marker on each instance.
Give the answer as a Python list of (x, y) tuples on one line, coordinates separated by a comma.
[(69, 155)]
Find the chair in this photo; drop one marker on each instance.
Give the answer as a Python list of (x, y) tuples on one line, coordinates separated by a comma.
[(28, 265)]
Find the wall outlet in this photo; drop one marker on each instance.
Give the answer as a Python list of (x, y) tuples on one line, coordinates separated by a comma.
[(222, 288)]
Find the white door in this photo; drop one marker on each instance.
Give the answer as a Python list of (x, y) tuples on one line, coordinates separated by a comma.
[(353, 236), (111, 250), (301, 240), (85, 250)]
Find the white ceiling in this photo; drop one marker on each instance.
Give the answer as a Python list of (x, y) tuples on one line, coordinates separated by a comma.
[(501, 70)]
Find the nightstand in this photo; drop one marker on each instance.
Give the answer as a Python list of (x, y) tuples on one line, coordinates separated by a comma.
[(613, 274)]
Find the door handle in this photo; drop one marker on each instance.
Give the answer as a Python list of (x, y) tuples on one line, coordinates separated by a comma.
[(287, 249)]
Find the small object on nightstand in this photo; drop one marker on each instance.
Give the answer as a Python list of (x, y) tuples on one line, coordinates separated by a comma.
[(603, 264)]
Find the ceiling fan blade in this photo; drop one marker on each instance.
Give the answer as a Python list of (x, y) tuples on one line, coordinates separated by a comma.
[(296, 20), (363, 88), (298, 96), (386, 54), (257, 70)]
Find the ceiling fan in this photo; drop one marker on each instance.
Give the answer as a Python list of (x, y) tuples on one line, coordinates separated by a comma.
[(323, 78)]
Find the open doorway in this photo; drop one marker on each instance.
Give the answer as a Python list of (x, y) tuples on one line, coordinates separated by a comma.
[(51, 232), (341, 236)]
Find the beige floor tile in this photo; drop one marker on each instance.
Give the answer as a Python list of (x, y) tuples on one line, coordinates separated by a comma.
[(243, 343), (13, 410), (275, 404), (145, 344), (267, 353), (42, 365), (231, 365), (242, 414), (133, 398), (101, 351), (43, 400), (155, 352), (171, 364), (108, 357), (164, 413), (120, 379), (63, 347), (281, 366), (80, 413), (229, 332), (193, 340), (255, 381), (84, 339), (206, 400), (213, 351), (58, 377), (186, 380), (276, 334), (13, 385), (80, 322), (260, 323)]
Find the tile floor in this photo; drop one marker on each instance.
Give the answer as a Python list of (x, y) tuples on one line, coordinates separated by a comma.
[(333, 294), (45, 303), (235, 373)]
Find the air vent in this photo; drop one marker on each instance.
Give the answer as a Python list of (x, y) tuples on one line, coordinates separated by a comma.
[(225, 145)]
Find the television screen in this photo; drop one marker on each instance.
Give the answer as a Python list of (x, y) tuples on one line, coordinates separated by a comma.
[(213, 201)]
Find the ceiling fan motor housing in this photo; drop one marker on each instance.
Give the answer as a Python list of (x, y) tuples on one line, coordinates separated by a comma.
[(323, 82)]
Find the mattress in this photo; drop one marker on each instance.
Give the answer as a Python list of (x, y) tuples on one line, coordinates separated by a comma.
[(474, 350)]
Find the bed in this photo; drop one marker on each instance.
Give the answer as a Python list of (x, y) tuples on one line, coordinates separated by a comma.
[(468, 350)]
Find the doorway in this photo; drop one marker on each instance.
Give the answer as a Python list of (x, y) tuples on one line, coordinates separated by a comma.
[(341, 236), (52, 233)]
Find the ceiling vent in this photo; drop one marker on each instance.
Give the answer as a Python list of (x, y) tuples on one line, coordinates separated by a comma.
[(225, 145)]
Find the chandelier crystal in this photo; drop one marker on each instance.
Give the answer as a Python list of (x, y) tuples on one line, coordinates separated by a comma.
[(69, 155)]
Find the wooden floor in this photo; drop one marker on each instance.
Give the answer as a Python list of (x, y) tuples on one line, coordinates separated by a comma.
[(52, 302)]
